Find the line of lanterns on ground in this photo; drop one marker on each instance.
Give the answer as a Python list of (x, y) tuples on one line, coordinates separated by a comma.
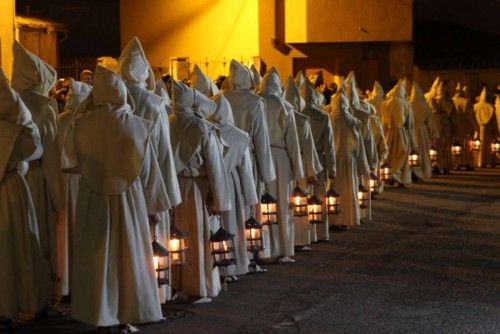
[(303, 204)]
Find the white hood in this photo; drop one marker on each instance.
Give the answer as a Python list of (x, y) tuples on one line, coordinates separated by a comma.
[(30, 72), (109, 89), (256, 77), (433, 90), (239, 76), (299, 79), (271, 83), (13, 115), (134, 67), (309, 94), (202, 83), (352, 90), (186, 99), (416, 93), (78, 92), (292, 95), (483, 110), (223, 113), (378, 92), (162, 91)]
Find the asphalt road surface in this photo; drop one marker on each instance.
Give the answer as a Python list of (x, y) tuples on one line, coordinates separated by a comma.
[(428, 263)]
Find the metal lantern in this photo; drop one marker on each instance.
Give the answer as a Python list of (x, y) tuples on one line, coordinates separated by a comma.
[(178, 245), (456, 149), (161, 262), (362, 197), (299, 202), (414, 159), (332, 202), (433, 154), (268, 209), (314, 210), (253, 235), (495, 146), (475, 144), (222, 245), (374, 185), (385, 172)]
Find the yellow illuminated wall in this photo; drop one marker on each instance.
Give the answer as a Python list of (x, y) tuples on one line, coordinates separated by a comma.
[(203, 30), (7, 14)]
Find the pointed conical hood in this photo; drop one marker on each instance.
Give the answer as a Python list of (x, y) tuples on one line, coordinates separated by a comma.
[(189, 99), (161, 90), (407, 86), (78, 92), (223, 113), (309, 93), (352, 89), (398, 91), (109, 89), (202, 83), (416, 93), (377, 92), (239, 76), (30, 72), (434, 87), (133, 65), (271, 83), (483, 96), (299, 79), (458, 87), (292, 95), (256, 77)]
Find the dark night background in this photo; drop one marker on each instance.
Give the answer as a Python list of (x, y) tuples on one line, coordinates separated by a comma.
[(447, 33)]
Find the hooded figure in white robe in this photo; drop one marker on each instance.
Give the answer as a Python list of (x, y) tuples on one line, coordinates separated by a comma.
[(78, 92), (488, 130), (199, 163), (400, 135), (444, 111), (368, 153), (238, 164), (325, 147), (346, 129), (249, 112), (32, 78), (375, 98), (21, 256), (304, 232), (162, 91), (116, 194), (121, 188), (466, 127), (139, 78), (425, 131), (287, 162)]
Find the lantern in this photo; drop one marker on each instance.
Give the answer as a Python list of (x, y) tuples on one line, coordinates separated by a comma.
[(253, 235), (385, 172), (178, 245), (495, 146), (268, 209), (414, 159), (222, 245), (332, 202), (475, 144), (299, 202), (314, 210), (362, 197), (433, 154), (161, 262), (374, 185), (456, 149)]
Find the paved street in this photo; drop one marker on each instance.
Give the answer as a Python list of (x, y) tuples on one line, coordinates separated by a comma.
[(428, 263)]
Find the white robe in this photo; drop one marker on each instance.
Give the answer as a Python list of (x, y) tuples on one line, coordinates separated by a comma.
[(466, 126), (488, 132), (238, 164), (443, 110), (425, 132), (346, 131), (21, 257), (33, 78), (305, 233), (287, 163)]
